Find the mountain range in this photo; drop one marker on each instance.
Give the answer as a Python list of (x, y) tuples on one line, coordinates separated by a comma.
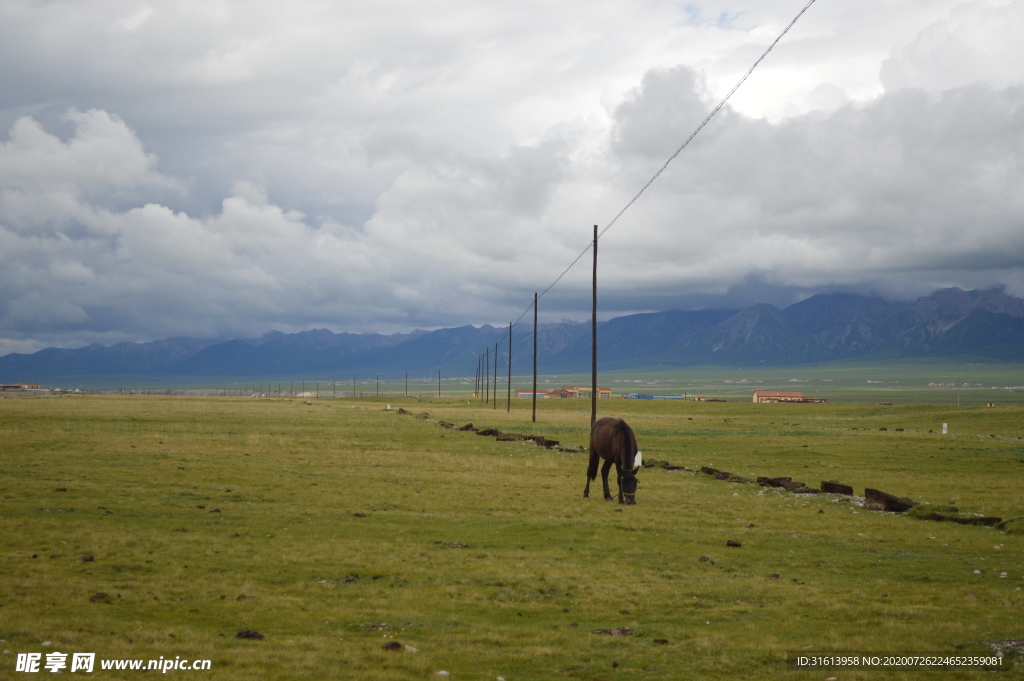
[(983, 324)]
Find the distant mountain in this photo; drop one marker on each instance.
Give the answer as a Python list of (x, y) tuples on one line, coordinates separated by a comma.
[(828, 327)]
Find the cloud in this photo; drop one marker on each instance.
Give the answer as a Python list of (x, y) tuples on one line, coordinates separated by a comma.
[(977, 44), (221, 170)]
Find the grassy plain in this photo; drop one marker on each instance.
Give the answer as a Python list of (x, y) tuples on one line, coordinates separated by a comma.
[(206, 516)]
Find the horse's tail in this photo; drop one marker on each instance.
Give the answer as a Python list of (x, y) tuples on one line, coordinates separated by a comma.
[(595, 459)]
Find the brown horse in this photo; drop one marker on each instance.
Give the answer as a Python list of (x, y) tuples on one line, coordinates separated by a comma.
[(613, 440)]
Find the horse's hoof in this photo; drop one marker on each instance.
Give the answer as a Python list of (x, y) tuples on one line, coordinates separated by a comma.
[(609, 498)]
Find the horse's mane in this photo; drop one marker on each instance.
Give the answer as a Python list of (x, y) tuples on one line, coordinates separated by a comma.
[(625, 438)]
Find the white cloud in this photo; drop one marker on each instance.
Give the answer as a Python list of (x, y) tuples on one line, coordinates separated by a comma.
[(223, 169)]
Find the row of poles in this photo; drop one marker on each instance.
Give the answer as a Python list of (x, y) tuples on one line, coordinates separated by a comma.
[(483, 366), (334, 386), (257, 388)]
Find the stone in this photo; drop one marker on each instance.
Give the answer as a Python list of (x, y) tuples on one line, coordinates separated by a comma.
[(1012, 526), (836, 488), (888, 502), (773, 482)]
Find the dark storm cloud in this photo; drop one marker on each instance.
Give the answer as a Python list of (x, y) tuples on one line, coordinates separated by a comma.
[(221, 170)]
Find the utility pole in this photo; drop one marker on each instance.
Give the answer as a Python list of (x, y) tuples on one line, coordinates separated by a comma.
[(535, 357), (593, 352), (508, 400)]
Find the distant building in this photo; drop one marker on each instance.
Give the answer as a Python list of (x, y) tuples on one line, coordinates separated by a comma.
[(528, 394), (762, 396), (587, 392), (565, 392), (20, 386)]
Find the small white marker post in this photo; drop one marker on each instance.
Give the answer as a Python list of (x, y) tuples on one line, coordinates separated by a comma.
[(945, 429)]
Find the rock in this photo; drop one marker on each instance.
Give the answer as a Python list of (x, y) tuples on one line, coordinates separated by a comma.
[(661, 641), (737, 478), (250, 634), (889, 502), (510, 437), (733, 543), (1012, 526), (836, 488), (806, 490), (100, 597), (392, 645), (402, 411), (489, 432), (468, 426), (791, 485), (773, 482), (707, 470), (983, 521), (618, 631), (705, 559), (86, 559)]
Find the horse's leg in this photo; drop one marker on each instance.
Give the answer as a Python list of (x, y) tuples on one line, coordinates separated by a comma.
[(604, 478), (618, 474)]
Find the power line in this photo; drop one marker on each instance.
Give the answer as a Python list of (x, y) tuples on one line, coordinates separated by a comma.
[(671, 158)]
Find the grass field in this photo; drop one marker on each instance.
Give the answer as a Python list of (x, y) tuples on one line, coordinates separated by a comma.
[(332, 527)]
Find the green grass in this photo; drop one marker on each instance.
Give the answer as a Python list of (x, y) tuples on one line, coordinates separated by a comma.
[(483, 555)]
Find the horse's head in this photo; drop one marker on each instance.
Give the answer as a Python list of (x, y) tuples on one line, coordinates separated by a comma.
[(628, 485)]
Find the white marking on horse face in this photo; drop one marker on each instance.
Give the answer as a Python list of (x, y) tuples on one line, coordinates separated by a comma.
[(638, 460)]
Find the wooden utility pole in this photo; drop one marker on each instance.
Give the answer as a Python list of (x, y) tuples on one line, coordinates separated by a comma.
[(535, 357), (508, 400), (495, 404), (593, 351), (487, 374)]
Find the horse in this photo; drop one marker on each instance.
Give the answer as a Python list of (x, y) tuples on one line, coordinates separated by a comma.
[(613, 440)]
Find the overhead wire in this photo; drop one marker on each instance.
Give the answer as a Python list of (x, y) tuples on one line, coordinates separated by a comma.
[(671, 158)]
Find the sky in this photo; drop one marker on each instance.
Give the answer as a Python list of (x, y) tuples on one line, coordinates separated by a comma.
[(220, 169)]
